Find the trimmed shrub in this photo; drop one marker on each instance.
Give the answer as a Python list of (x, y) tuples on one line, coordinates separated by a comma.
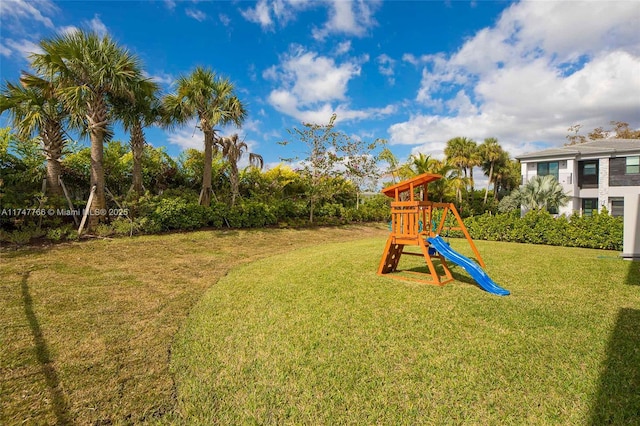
[(251, 214), (178, 213), (600, 230)]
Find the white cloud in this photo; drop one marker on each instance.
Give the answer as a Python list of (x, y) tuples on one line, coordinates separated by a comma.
[(386, 67), (543, 67), (67, 30), (224, 19), (170, 4), (415, 60), (461, 104), (23, 47), (313, 87), (97, 26), (160, 78), (348, 17), (5, 51), (259, 15), (196, 14), (343, 47), (267, 12), (310, 78), (189, 136), (251, 125), (28, 10)]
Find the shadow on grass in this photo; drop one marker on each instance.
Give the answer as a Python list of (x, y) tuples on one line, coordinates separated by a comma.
[(618, 398), (633, 273), (60, 408), (461, 277)]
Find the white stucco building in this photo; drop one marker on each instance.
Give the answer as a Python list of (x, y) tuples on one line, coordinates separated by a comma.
[(596, 174)]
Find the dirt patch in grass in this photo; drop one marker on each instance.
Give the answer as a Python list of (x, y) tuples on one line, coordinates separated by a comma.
[(86, 329)]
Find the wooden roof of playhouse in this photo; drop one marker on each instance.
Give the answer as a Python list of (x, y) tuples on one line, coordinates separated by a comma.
[(394, 191)]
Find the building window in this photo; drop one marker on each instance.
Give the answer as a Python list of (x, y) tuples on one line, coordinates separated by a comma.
[(588, 174), (590, 169), (589, 205), (617, 207), (549, 168), (633, 165)]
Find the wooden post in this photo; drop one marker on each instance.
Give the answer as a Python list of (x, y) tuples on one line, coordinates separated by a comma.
[(86, 210), (467, 236), (66, 195), (112, 197), (121, 210), (44, 191)]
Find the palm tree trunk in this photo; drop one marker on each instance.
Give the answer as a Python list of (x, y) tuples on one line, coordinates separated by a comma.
[(53, 142), (234, 183), (97, 118), (209, 140), (486, 191), (137, 147), (53, 178), (471, 189)]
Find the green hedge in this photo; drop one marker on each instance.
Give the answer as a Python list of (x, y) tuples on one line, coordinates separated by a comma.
[(600, 230)]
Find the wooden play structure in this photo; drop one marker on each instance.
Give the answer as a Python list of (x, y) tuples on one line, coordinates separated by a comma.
[(414, 219)]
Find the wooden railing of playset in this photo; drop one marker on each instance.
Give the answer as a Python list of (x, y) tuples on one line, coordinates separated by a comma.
[(411, 221)]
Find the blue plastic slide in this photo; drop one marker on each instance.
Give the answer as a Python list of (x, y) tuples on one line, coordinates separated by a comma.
[(476, 272)]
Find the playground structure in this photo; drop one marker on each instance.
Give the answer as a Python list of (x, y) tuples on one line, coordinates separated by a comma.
[(416, 221)]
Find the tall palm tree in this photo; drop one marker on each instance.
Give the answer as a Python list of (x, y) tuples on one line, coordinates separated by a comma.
[(232, 150), (34, 108), (212, 101), (490, 151), (463, 153), (141, 111), (87, 70)]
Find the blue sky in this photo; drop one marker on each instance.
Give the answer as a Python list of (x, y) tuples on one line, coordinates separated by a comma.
[(416, 73)]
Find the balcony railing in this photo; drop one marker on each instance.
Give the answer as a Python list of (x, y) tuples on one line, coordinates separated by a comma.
[(565, 179)]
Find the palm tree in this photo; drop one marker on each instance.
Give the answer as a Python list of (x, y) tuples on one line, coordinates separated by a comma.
[(136, 114), (87, 70), (542, 192), (212, 101), (490, 151), (449, 184), (34, 108), (392, 161), (507, 174), (233, 150), (463, 153)]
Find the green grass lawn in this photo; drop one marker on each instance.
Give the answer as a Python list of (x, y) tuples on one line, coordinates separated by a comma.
[(86, 329), (295, 327), (315, 337)]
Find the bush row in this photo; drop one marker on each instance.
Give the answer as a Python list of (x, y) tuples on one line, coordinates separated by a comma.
[(600, 231), (174, 212)]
